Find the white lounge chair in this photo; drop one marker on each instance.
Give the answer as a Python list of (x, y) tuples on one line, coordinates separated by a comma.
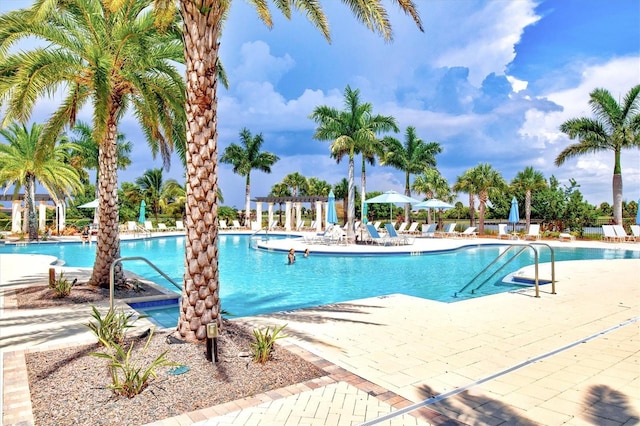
[(402, 227), (503, 234), (470, 232), (534, 232), (162, 227), (375, 238), (620, 232), (429, 230), (179, 225), (635, 232), (376, 225), (148, 226), (300, 224), (565, 236), (222, 225), (448, 231), (413, 229), (236, 225)]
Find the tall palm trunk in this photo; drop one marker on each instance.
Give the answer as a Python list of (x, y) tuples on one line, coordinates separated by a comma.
[(527, 207), (407, 192), (108, 244), (617, 189), (351, 209), (200, 295), (483, 197), (363, 190), (472, 209), (29, 193), (247, 202)]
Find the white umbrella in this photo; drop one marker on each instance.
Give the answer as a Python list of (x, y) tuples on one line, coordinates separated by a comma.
[(90, 205), (392, 197), (433, 203)]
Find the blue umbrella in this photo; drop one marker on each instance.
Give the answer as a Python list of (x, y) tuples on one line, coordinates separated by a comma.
[(514, 213), (365, 210), (142, 216), (638, 215), (332, 216)]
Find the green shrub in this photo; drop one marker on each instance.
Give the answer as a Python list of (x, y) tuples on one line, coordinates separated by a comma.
[(61, 286), (263, 346), (127, 377), (112, 328)]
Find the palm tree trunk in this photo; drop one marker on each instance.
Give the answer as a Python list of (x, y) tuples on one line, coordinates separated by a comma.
[(351, 208), (247, 202), (483, 200), (108, 240), (407, 192), (617, 198), (363, 191), (29, 192), (200, 295), (527, 207), (472, 209)]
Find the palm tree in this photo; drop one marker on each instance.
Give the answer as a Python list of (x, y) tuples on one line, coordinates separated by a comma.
[(112, 60), (152, 185), (413, 157), (464, 183), (528, 180), (488, 182), (87, 154), (352, 131), (616, 126), (247, 157), (203, 21), (433, 185), (26, 160), (280, 190), (298, 183)]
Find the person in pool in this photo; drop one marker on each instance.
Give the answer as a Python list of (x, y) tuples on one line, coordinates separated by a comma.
[(306, 253), (86, 235), (292, 256)]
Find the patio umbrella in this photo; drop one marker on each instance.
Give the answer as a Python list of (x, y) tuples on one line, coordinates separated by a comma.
[(365, 210), (332, 216), (514, 213), (392, 197), (142, 216), (638, 215), (433, 203), (92, 205)]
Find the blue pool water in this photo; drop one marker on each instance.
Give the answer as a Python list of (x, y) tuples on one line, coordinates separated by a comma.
[(254, 281)]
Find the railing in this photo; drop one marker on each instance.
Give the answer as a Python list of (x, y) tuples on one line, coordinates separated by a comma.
[(122, 259), (522, 248)]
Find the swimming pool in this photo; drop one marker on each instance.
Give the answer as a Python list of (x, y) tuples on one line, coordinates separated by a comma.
[(255, 282)]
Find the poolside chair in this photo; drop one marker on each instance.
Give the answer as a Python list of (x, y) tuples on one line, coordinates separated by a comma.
[(567, 237), (620, 232), (394, 238), (162, 227), (376, 225), (429, 230), (132, 226), (635, 232), (402, 227), (534, 232), (375, 238), (413, 229), (503, 234), (609, 234), (236, 224), (179, 225), (299, 224), (448, 231), (222, 225), (470, 232), (148, 226)]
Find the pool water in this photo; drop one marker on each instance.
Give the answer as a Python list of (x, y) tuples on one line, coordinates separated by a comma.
[(254, 282)]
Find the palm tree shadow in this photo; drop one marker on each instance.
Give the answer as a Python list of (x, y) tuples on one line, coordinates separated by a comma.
[(607, 404)]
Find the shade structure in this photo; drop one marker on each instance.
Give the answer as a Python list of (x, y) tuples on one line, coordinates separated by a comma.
[(392, 197), (433, 203), (90, 205), (514, 213), (332, 215), (142, 217)]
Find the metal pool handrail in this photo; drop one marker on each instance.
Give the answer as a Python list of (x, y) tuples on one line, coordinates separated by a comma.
[(122, 259)]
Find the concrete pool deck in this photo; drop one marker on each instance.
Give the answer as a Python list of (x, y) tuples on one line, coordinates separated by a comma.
[(569, 358)]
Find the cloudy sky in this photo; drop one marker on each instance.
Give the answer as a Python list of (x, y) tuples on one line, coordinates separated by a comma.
[(491, 81)]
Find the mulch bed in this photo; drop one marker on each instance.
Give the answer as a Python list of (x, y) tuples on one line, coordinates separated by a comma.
[(70, 386)]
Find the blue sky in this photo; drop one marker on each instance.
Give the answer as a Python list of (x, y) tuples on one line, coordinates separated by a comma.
[(491, 81)]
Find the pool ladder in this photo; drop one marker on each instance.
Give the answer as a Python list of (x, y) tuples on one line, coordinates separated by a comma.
[(521, 248), (144, 259)]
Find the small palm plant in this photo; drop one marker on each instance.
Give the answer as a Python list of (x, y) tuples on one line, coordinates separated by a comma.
[(263, 346)]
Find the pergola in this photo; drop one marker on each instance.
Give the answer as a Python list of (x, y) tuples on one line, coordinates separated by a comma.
[(16, 210), (293, 210)]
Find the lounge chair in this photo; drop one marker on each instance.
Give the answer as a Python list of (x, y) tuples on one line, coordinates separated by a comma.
[(299, 225), (162, 227), (222, 225), (413, 229), (236, 225), (609, 234), (635, 232), (534, 232), (620, 232), (402, 227), (132, 226), (565, 236), (376, 225), (395, 238), (503, 234), (148, 226), (448, 231), (429, 230), (470, 232), (375, 238), (179, 225)]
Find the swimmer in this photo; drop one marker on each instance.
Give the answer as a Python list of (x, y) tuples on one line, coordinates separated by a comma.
[(306, 253), (292, 256)]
